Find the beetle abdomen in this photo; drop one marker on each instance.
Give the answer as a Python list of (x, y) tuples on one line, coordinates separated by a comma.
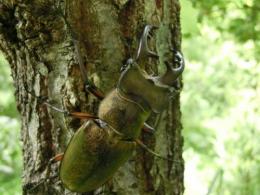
[(92, 157)]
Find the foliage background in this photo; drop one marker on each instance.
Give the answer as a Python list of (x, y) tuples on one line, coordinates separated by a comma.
[(220, 102), (10, 146), (221, 96)]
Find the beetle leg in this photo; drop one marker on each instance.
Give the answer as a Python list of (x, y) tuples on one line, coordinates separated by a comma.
[(103, 125), (82, 115), (142, 145), (148, 129), (89, 86), (57, 157)]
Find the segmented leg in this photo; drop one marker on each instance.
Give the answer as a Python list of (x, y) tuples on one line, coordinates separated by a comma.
[(89, 86), (57, 157), (145, 147), (147, 128)]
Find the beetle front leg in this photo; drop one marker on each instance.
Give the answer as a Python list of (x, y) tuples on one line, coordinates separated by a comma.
[(89, 86), (147, 128), (145, 147)]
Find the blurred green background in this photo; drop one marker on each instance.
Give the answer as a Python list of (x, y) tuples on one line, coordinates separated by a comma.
[(221, 97), (10, 145), (220, 102)]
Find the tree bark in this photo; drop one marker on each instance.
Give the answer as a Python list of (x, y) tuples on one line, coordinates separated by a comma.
[(38, 45)]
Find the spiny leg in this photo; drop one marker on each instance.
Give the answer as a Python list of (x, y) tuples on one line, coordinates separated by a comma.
[(148, 129), (89, 86), (145, 147), (57, 158)]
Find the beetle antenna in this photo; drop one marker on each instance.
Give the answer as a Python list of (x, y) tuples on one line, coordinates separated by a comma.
[(140, 143)]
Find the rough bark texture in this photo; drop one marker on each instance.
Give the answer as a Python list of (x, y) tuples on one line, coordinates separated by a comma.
[(39, 48)]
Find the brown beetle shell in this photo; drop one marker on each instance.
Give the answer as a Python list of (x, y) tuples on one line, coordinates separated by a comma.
[(94, 154)]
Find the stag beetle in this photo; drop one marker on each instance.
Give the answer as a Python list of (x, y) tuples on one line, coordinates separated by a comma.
[(105, 142)]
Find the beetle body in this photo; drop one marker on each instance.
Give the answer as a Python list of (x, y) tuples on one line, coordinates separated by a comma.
[(95, 153)]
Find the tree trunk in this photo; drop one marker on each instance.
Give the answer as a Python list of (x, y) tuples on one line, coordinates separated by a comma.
[(38, 45)]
